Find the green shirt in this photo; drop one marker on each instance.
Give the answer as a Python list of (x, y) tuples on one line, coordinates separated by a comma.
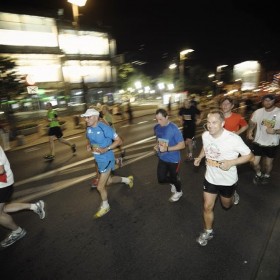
[(52, 118)]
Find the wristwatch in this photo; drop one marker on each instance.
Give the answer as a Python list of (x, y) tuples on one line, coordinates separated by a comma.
[(109, 148)]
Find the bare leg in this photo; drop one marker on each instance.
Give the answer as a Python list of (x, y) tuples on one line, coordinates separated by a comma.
[(208, 207)]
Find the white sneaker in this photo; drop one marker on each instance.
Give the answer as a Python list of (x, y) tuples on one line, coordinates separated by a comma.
[(173, 188), (236, 198), (175, 196)]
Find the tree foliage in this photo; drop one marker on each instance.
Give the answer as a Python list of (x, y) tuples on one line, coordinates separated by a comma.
[(10, 82)]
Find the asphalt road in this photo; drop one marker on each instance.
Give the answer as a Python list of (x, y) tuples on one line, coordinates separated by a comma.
[(144, 236)]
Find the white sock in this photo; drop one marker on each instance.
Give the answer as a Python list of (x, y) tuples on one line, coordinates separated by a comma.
[(266, 175), (209, 230), (18, 230), (125, 180), (105, 204), (259, 174), (33, 207)]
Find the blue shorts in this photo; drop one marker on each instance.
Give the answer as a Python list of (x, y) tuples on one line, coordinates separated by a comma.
[(105, 166)]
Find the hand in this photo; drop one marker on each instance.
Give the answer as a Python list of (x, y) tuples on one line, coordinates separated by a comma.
[(225, 165), (197, 161), (270, 130)]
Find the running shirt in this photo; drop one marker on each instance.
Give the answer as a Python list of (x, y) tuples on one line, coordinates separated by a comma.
[(169, 135), (265, 119), (234, 122), (52, 117), (189, 115), (4, 161), (226, 147), (101, 136)]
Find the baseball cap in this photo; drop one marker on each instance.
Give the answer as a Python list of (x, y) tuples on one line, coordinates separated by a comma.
[(89, 113), (269, 96)]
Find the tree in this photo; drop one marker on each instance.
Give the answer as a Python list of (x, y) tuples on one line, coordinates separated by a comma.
[(10, 82)]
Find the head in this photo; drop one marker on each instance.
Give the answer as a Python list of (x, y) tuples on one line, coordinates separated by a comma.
[(215, 122), (226, 104), (162, 117), (104, 109), (268, 101), (187, 103), (49, 105), (91, 116)]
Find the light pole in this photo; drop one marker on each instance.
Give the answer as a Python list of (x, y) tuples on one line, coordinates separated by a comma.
[(218, 77), (75, 9), (183, 57)]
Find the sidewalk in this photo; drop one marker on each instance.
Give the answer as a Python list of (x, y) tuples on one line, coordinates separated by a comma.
[(71, 129)]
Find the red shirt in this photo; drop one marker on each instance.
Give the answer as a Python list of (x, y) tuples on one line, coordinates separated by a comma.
[(234, 122)]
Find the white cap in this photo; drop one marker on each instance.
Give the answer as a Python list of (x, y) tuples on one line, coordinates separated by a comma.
[(90, 112)]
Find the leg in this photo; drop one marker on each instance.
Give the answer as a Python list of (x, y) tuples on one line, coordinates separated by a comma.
[(175, 181), (6, 220), (162, 170), (268, 164), (256, 164), (51, 141), (101, 187), (189, 144), (208, 207)]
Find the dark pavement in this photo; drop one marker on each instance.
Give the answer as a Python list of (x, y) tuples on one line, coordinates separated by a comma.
[(144, 236)]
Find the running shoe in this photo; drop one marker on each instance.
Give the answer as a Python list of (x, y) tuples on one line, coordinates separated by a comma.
[(175, 196), (74, 149), (12, 238), (101, 212), (40, 209), (204, 237), (236, 198), (265, 180), (257, 179), (49, 157), (130, 181)]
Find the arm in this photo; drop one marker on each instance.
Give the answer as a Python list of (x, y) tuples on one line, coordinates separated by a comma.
[(117, 142), (2, 170), (199, 158), (227, 164), (242, 129), (177, 147), (250, 130)]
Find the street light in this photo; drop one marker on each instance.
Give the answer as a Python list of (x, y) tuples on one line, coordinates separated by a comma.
[(183, 57), (75, 9)]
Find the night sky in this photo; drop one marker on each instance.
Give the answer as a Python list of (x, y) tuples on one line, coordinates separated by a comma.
[(220, 32)]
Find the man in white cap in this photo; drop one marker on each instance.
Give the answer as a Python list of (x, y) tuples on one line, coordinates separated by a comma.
[(102, 139)]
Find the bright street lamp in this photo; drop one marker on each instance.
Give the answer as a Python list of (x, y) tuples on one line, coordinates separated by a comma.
[(75, 9), (183, 57)]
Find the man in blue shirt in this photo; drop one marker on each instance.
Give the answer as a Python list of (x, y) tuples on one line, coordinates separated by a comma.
[(169, 143), (102, 139)]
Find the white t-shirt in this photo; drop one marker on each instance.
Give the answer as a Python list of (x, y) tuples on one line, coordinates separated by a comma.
[(4, 161), (265, 119), (227, 146)]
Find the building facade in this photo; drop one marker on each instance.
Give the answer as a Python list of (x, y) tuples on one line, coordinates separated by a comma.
[(62, 64)]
